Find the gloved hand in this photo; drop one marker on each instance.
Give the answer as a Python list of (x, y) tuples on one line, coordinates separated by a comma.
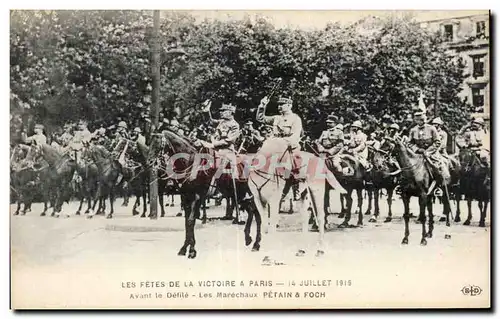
[(264, 101)]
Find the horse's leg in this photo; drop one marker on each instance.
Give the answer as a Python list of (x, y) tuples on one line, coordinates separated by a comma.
[(19, 206), (191, 223), (343, 200), (406, 217), (136, 204), (422, 203), (162, 203), (469, 211), (483, 213), (172, 201), (187, 210), (348, 199), (111, 202), (430, 207), (390, 192), (457, 203), (445, 199), (248, 226), (258, 221), (369, 192), (376, 196), (316, 194), (81, 204), (144, 206), (359, 193)]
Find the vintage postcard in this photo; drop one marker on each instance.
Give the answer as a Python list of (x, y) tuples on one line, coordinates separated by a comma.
[(250, 159)]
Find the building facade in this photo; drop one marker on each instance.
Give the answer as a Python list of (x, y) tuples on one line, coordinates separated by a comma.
[(468, 37)]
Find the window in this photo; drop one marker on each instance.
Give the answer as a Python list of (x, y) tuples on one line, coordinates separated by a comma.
[(478, 66), (478, 100), (481, 29), (448, 32)]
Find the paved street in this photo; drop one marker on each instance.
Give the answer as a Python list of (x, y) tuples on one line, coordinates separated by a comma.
[(75, 248)]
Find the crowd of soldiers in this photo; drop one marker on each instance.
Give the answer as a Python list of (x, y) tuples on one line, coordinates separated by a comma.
[(423, 136)]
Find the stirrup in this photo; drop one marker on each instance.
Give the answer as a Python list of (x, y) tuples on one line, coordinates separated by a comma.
[(438, 192)]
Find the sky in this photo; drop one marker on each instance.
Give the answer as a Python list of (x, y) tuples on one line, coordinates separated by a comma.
[(320, 18)]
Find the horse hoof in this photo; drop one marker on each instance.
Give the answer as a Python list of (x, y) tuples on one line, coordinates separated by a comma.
[(135, 213), (467, 222), (226, 218), (320, 253), (482, 224), (53, 214), (368, 213), (341, 215), (428, 235), (109, 216), (372, 220), (388, 220), (42, 214), (360, 223), (343, 225), (256, 247), (404, 241), (90, 217), (448, 223), (248, 240), (235, 221), (192, 254), (162, 215), (447, 236), (77, 213), (178, 215), (457, 219), (423, 242), (143, 216), (23, 213), (86, 212), (16, 213), (181, 252), (442, 219), (300, 253)]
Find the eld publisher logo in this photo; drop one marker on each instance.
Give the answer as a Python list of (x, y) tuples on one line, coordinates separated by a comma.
[(471, 291)]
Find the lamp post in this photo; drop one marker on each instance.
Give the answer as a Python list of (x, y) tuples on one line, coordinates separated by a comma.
[(155, 107)]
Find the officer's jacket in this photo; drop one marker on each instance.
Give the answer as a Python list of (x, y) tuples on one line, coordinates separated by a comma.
[(227, 130), (287, 126), (425, 137), (357, 143), (330, 138), (38, 139)]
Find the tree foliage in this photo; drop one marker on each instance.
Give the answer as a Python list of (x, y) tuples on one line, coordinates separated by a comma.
[(96, 65)]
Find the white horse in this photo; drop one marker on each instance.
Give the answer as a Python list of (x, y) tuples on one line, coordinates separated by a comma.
[(267, 183)]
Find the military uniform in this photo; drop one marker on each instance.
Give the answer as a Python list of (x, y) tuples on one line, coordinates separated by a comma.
[(287, 126), (474, 138), (226, 134), (442, 135), (331, 141), (424, 139), (357, 145), (38, 139)]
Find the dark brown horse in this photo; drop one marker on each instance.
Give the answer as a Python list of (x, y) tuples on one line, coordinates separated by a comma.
[(475, 184), (382, 176), (57, 178), (109, 171), (416, 179)]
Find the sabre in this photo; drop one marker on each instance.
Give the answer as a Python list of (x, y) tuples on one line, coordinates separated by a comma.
[(262, 109)]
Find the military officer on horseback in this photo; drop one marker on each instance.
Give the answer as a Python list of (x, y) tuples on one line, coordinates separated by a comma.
[(443, 136), (38, 138), (424, 139), (287, 125), (357, 146), (473, 137), (331, 141), (227, 131)]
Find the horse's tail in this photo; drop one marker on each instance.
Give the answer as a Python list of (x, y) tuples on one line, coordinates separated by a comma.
[(334, 183)]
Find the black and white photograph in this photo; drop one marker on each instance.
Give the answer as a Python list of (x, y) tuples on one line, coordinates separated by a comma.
[(274, 159)]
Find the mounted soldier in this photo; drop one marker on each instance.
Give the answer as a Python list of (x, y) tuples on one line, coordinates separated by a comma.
[(121, 142), (357, 146), (227, 130), (38, 138), (443, 136), (424, 139), (473, 136), (331, 141), (287, 127), (66, 136), (252, 138)]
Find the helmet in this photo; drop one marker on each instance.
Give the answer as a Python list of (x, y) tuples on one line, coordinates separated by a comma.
[(357, 124), (137, 130), (478, 120), (331, 118), (437, 121), (122, 124), (394, 126)]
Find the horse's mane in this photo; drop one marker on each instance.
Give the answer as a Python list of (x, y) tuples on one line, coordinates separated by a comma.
[(177, 143)]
